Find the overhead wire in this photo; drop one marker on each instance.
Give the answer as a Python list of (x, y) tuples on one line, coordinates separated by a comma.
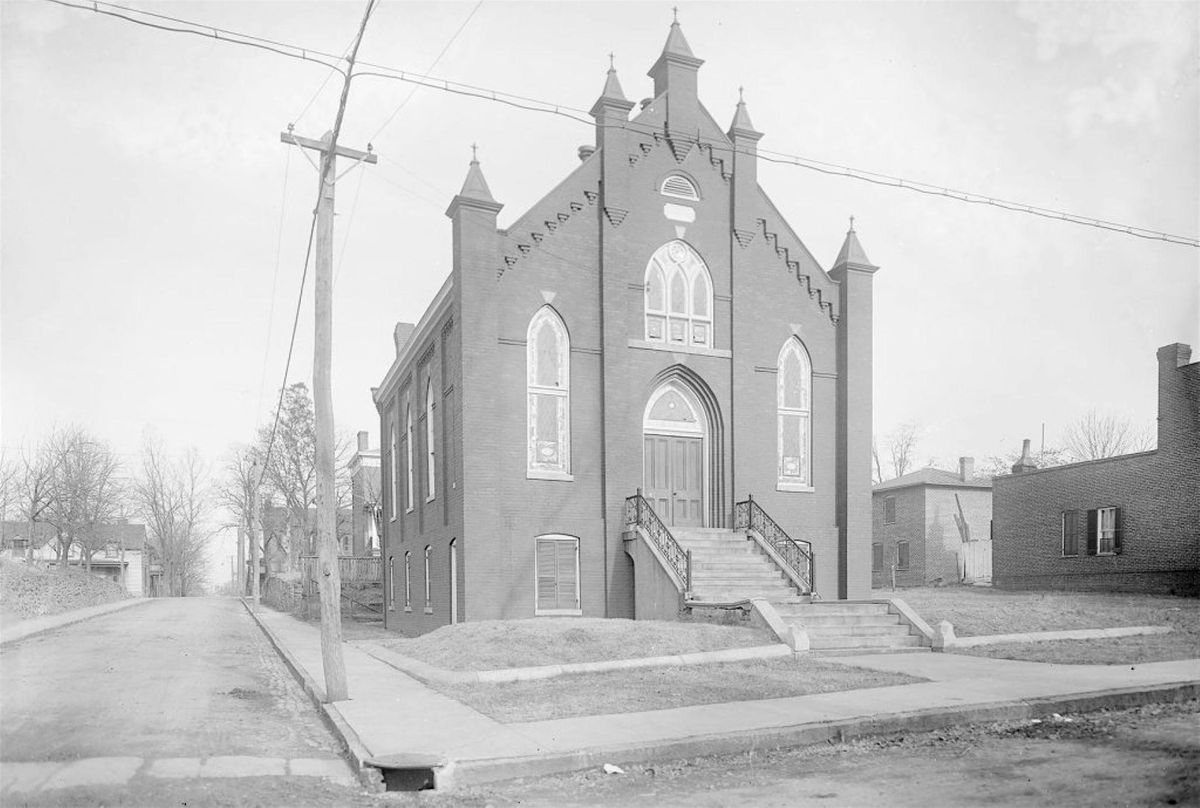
[(579, 115), (428, 70), (262, 382)]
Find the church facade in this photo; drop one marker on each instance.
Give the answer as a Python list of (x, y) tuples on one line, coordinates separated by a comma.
[(650, 338)]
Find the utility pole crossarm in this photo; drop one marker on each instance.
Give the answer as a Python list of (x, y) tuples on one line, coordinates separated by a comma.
[(323, 147)]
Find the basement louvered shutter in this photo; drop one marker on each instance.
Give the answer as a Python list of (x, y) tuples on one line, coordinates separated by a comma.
[(547, 574), (1117, 530), (1093, 518), (568, 586)]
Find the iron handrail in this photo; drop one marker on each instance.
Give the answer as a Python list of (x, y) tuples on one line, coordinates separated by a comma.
[(640, 513), (798, 555)]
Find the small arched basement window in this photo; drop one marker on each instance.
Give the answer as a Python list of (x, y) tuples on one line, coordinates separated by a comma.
[(679, 187)]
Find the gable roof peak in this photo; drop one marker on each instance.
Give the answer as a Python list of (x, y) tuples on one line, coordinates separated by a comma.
[(852, 252)]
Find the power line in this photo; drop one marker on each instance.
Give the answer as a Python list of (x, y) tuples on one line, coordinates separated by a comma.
[(274, 280), (428, 70), (201, 29), (582, 116)]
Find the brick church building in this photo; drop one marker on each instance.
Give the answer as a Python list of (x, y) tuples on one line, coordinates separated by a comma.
[(645, 366)]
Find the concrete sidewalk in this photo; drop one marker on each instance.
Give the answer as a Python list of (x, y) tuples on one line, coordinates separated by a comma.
[(37, 625), (392, 715)]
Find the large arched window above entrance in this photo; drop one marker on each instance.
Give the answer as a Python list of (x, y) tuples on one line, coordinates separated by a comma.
[(548, 385), (794, 416), (678, 297)]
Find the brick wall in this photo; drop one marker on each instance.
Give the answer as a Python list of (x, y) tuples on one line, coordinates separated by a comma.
[(1158, 493)]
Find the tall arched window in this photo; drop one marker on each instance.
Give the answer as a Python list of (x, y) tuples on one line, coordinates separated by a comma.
[(794, 414), (392, 466), (678, 297), (391, 584), (548, 385), (408, 456), (408, 580), (430, 465), (428, 586)]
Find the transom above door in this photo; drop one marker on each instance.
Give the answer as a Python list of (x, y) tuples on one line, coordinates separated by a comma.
[(674, 440)]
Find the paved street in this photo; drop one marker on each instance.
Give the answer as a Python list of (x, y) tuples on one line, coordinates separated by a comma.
[(168, 697)]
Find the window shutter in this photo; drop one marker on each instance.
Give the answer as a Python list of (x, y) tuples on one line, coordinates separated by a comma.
[(547, 575), (1093, 518), (1117, 531), (568, 587), (1071, 530)]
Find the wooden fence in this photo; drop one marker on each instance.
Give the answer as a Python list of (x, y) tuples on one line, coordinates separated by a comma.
[(354, 569)]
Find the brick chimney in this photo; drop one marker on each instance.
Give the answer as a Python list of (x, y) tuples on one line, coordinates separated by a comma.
[(401, 334), (966, 468), (1025, 463)]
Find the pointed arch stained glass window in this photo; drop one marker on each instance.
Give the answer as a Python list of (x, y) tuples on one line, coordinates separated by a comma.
[(794, 414), (678, 304), (548, 382)]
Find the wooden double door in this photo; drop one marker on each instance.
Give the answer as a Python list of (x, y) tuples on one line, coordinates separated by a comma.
[(673, 478)]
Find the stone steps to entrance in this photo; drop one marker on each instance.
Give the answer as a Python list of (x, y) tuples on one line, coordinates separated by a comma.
[(727, 567)]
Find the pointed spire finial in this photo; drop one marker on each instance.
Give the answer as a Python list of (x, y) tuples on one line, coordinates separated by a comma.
[(851, 222), (611, 63), (675, 11), (741, 97), (474, 153)]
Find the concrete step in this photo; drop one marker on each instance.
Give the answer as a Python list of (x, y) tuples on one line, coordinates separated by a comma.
[(793, 615), (825, 643), (723, 594), (763, 573), (857, 631), (840, 607)]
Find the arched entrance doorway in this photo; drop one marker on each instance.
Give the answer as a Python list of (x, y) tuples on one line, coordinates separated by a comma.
[(675, 440)]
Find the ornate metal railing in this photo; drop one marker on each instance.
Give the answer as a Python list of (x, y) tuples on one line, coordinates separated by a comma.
[(798, 555), (640, 513)]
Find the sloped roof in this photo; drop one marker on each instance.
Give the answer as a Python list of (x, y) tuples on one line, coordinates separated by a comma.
[(132, 536), (932, 476)]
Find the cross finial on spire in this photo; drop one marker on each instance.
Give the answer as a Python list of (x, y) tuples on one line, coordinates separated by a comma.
[(474, 153), (611, 64), (852, 223), (740, 98), (675, 11)]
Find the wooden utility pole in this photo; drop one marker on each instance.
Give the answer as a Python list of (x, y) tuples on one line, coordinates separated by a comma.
[(239, 573), (336, 688)]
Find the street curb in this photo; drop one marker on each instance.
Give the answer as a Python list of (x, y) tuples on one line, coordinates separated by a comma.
[(353, 749), (51, 622), (478, 772), (1049, 636), (424, 670)]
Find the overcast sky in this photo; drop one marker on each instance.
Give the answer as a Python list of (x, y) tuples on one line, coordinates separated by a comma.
[(154, 226)]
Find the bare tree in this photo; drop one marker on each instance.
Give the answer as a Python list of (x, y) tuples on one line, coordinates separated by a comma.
[(291, 469), (31, 490), (900, 447), (1096, 436), (84, 492), (236, 493), (172, 497)]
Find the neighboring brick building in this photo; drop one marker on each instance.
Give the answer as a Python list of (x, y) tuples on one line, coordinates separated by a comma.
[(1127, 523), (933, 526), (652, 323)]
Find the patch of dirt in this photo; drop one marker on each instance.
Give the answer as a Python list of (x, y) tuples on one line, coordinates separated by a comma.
[(496, 644)]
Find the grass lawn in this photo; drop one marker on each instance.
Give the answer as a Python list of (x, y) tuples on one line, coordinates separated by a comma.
[(662, 688), (977, 611), (497, 644)]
